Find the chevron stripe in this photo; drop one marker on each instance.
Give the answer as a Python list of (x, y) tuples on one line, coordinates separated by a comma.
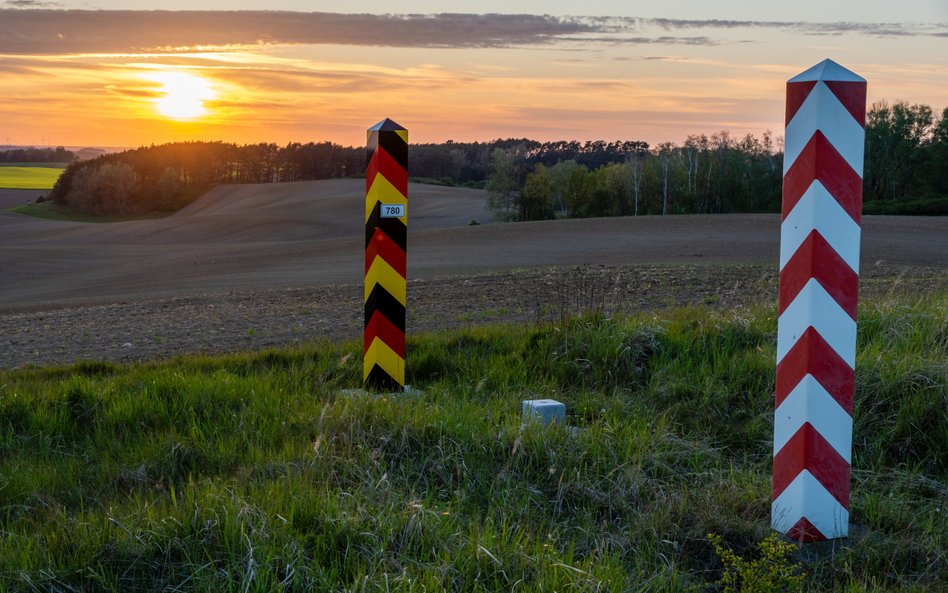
[(807, 450), (810, 403), (817, 260), (383, 164), (853, 97), (797, 92), (381, 191), (814, 307), (822, 111), (805, 532), (812, 357), (379, 327), (380, 300), (396, 145), (381, 381), (380, 273), (393, 228), (820, 161), (379, 354), (806, 499), (818, 210), (382, 246)]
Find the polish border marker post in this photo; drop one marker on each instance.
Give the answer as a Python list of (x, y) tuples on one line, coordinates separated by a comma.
[(819, 282), (386, 234)]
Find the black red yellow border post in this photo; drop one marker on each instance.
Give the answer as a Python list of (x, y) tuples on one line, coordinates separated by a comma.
[(386, 247)]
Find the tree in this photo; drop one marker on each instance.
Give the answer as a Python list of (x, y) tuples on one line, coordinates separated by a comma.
[(615, 183), (169, 190), (938, 169), (537, 195), (503, 185), (665, 152), (560, 174), (635, 173), (104, 190), (896, 139)]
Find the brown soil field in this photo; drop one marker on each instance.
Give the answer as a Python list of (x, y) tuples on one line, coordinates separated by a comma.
[(255, 266)]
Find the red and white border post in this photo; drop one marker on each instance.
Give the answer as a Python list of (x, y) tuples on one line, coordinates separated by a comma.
[(819, 282)]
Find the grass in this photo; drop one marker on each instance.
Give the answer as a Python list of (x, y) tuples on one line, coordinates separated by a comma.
[(29, 175), (52, 211), (259, 472)]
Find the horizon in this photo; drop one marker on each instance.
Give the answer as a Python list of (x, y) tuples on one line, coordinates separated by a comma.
[(121, 78)]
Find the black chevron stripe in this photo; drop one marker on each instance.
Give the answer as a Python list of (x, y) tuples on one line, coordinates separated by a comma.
[(393, 227), (380, 300), (395, 147), (379, 380)]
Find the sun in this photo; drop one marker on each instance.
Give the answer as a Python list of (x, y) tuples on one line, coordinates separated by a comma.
[(183, 95)]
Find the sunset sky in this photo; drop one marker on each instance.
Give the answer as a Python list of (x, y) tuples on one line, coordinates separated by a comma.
[(97, 73)]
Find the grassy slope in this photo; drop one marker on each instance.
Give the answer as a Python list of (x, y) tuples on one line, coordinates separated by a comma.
[(53, 211), (256, 472), (29, 176)]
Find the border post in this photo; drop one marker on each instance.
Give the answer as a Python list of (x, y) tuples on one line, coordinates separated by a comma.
[(819, 281), (386, 234)]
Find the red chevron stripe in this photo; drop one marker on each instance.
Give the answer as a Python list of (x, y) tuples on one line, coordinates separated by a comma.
[(808, 450), (815, 258), (805, 532), (819, 160), (813, 355), (382, 246), (797, 92), (383, 163), (853, 97), (380, 327)]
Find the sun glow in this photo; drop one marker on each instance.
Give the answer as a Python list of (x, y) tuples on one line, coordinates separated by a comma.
[(183, 95)]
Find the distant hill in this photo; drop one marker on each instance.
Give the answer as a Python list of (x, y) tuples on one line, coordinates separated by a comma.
[(89, 153)]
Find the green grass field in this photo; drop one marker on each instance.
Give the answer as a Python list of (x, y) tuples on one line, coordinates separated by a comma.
[(259, 472), (29, 175)]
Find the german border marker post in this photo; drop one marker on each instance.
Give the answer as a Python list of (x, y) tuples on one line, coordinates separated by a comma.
[(386, 234), (819, 281)]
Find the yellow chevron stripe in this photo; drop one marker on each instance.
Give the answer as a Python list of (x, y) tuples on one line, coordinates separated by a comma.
[(386, 193), (403, 134), (382, 273), (380, 354)]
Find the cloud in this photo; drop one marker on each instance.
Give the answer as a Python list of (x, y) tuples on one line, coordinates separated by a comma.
[(642, 40), (806, 28), (31, 4), (78, 31), (57, 32)]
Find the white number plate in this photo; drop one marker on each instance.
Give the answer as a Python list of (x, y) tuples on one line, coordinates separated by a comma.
[(393, 210)]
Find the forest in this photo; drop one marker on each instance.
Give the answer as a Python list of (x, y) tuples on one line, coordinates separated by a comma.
[(906, 171)]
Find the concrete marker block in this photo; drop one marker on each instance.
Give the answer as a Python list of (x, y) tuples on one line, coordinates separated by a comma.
[(544, 412)]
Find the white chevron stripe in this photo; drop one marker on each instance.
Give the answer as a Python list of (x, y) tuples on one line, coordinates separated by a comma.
[(817, 209), (814, 306), (806, 497), (809, 402), (823, 111)]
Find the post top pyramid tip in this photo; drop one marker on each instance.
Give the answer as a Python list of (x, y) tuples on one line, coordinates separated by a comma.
[(827, 70), (386, 125)]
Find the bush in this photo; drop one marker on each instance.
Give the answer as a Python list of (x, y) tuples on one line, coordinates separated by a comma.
[(930, 206)]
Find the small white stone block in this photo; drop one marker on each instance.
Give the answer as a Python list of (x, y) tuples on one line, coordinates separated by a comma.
[(544, 411)]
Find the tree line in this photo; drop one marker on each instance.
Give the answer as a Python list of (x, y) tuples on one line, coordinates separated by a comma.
[(37, 155), (170, 176), (906, 171)]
